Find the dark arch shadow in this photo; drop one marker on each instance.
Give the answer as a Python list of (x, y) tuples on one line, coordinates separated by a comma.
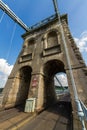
[(23, 88), (61, 108)]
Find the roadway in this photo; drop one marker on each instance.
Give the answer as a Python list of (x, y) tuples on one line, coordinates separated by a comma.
[(57, 117)]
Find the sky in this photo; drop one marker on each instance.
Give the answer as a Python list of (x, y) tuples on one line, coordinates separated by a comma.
[(31, 12)]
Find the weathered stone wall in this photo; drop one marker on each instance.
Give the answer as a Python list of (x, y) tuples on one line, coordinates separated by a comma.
[(44, 53)]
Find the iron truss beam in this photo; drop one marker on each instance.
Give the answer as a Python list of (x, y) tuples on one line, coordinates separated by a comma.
[(13, 16)]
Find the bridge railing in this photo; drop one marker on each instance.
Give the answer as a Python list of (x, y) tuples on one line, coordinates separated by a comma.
[(84, 110)]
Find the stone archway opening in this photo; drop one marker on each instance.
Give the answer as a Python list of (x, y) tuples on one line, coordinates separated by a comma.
[(61, 86), (24, 84), (51, 68)]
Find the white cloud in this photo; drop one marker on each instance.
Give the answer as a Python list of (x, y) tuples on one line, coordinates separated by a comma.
[(82, 42), (62, 78), (5, 70)]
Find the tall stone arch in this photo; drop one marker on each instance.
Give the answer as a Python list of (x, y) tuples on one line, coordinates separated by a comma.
[(19, 87), (51, 68)]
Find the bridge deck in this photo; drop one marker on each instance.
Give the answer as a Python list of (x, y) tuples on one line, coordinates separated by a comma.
[(57, 117), (11, 118)]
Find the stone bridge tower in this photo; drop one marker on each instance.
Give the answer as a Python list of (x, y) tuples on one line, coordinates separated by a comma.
[(41, 57)]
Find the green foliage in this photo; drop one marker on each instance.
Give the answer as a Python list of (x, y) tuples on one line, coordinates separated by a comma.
[(1, 89), (61, 88)]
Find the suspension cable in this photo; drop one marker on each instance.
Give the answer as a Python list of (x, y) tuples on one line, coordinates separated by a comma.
[(11, 41), (79, 108), (2, 17), (66, 50), (59, 82), (13, 16)]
